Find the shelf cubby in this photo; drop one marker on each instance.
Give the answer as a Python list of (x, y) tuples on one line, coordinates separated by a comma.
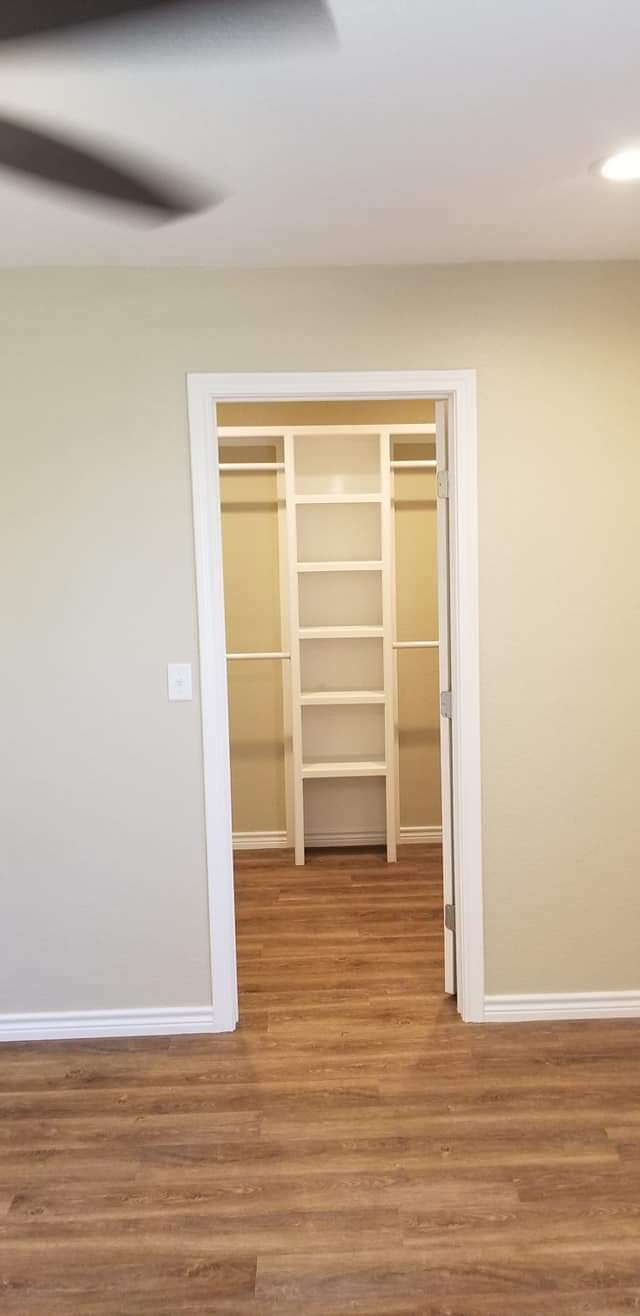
[(337, 465), (343, 732), (353, 600), (330, 665), (340, 531), (354, 804)]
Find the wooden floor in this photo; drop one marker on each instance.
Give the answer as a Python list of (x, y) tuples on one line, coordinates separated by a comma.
[(353, 1148)]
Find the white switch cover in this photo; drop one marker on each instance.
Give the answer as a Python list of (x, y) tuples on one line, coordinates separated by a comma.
[(179, 683)]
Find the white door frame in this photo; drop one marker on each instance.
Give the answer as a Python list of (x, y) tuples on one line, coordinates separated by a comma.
[(458, 387)]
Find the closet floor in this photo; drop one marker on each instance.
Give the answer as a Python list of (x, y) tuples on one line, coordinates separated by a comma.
[(353, 1150)]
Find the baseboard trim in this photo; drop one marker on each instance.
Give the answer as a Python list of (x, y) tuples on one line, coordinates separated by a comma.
[(56, 1026), (325, 840), (420, 836), (561, 1005), (260, 841)]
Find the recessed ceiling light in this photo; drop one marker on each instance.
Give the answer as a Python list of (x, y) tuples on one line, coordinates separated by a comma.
[(624, 167)]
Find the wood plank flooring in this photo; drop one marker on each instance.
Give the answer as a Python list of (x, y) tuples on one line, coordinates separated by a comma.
[(353, 1150)]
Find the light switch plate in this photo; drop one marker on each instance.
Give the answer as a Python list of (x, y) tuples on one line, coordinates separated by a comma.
[(179, 682)]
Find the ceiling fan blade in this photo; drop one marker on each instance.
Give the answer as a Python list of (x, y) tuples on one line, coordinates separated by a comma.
[(58, 160), (42, 17)]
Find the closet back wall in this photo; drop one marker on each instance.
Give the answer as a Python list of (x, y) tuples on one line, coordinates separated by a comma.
[(252, 605)]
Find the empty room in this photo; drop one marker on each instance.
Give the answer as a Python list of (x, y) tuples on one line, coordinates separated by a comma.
[(319, 902)]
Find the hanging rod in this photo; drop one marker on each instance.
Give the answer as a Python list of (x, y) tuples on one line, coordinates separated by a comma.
[(232, 657), (236, 467), (415, 644), (412, 466)]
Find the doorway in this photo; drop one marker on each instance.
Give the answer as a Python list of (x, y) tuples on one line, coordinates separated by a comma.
[(396, 450), (335, 552)]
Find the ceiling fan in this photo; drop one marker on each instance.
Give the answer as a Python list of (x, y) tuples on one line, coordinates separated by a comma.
[(58, 159)]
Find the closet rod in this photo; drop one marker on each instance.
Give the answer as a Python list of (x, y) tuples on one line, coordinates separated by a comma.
[(250, 466), (235, 656), (415, 644), (413, 466)]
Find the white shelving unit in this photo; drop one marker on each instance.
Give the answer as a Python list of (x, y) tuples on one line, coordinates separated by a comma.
[(337, 499)]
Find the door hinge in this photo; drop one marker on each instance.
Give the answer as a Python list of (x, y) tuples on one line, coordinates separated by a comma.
[(446, 703), (450, 918), (442, 484)]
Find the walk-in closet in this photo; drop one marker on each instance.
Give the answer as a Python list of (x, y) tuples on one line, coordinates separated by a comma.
[(330, 539)]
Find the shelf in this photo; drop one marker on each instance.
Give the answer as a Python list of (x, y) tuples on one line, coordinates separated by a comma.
[(413, 465), (339, 566), (239, 468), (351, 768), (410, 429), (415, 644), (331, 698), (310, 499), (341, 632), (262, 654)]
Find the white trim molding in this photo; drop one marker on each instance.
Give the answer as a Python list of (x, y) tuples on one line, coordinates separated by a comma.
[(420, 836), (57, 1025), (260, 841), (216, 765), (532, 1006), (279, 841), (331, 840), (458, 389)]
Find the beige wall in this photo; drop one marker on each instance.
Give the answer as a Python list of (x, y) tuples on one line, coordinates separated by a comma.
[(103, 875), (252, 605)]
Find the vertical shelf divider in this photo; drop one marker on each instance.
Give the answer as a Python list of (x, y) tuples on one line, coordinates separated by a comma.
[(388, 625), (294, 644)]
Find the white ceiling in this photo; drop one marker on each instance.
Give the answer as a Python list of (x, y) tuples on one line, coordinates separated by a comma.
[(451, 131)]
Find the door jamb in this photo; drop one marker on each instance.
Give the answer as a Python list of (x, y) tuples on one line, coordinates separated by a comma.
[(458, 388)]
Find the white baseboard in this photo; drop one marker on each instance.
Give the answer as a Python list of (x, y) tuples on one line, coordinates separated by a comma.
[(54, 1026), (420, 836), (260, 840), (327, 840), (561, 1005), (322, 840), (407, 836)]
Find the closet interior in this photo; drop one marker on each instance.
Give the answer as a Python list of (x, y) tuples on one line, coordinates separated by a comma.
[(329, 533)]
